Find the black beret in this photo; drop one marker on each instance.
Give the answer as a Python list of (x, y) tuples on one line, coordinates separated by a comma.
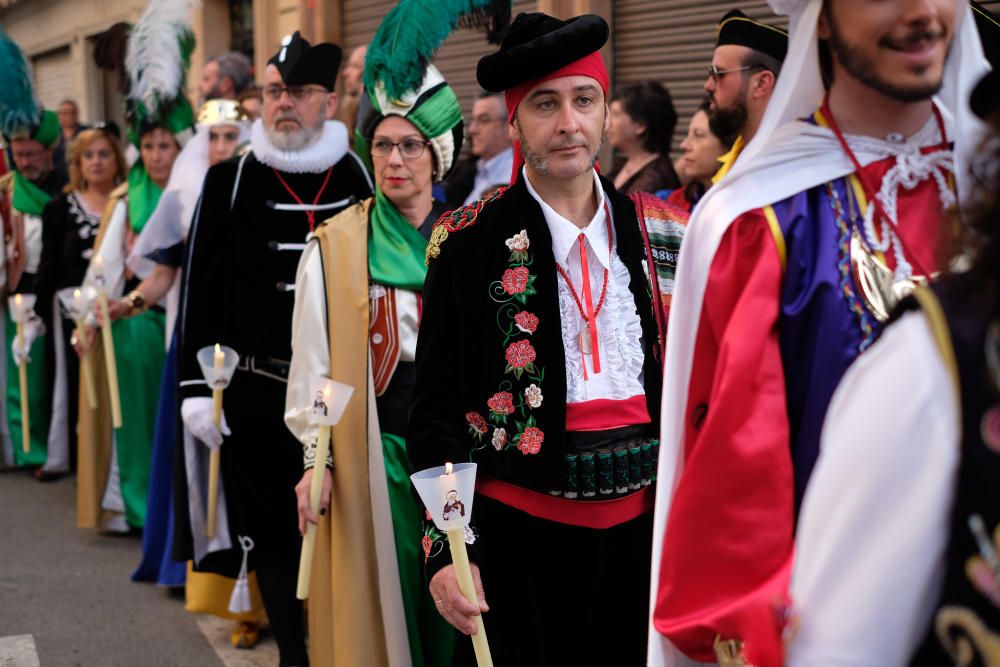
[(537, 44), (738, 28), (302, 64), (986, 94)]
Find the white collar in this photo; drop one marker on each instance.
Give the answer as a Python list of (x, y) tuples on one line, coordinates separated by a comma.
[(565, 234), (317, 156)]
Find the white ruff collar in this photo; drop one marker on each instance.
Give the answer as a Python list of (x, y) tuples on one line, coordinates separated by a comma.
[(317, 156)]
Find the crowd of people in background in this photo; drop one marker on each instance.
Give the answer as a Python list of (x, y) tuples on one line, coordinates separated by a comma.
[(307, 230)]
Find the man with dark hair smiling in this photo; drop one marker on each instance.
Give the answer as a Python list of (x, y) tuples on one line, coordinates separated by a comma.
[(244, 245), (538, 359), (794, 261)]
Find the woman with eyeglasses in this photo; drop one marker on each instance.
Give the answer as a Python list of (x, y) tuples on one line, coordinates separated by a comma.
[(69, 227), (642, 123), (409, 149)]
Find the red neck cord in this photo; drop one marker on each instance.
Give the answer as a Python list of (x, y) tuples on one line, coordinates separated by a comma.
[(311, 215)]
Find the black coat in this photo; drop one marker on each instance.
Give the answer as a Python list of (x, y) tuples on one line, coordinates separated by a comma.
[(234, 293), (466, 330)]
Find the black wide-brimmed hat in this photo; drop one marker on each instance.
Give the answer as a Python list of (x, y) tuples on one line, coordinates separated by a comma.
[(986, 94), (300, 63), (537, 44), (738, 28)]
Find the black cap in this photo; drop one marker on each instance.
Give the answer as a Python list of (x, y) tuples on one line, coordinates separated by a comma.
[(302, 64), (738, 28), (537, 44), (986, 94)]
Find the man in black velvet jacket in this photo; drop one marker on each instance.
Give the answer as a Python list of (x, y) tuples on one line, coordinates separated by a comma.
[(536, 360)]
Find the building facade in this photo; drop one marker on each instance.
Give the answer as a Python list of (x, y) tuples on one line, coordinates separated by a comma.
[(667, 40)]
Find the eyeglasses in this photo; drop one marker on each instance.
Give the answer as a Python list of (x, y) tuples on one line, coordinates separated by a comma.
[(295, 93), (410, 149), (715, 73)]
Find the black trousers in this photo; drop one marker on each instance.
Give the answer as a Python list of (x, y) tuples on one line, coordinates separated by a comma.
[(562, 595)]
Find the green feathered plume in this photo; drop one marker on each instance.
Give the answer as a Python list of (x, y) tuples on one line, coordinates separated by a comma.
[(412, 31), (19, 108)]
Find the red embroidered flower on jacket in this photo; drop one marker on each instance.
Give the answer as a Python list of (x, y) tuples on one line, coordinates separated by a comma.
[(515, 281), (426, 543), (520, 353), (477, 424), (501, 403), (531, 440), (526, 322)]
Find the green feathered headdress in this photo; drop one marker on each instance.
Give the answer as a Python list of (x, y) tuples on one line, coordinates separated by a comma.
[(157, 59), (413, 30), (21, 115)]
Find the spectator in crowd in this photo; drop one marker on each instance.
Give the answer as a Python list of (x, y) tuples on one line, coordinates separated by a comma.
[(226, 76), (352, 84), (251, 101), (491, 145), (69, 226), (702, 148), (744, 70), (69, 122), (642, 122)]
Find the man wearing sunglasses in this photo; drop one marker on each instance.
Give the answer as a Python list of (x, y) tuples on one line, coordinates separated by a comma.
[(255, 215), (741, 78)]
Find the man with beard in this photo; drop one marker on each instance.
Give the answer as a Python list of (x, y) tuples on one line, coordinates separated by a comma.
[(538, 359), (741, 79), (791, 266), (24, 193), (255, 214), (225, 77)]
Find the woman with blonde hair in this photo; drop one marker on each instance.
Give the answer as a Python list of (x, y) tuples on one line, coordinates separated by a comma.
[(69, 227)]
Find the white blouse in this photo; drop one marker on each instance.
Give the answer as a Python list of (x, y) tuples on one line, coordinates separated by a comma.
[(619, 329)]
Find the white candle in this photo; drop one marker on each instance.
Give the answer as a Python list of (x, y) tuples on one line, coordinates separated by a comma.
[(109, 344), (22, 374)]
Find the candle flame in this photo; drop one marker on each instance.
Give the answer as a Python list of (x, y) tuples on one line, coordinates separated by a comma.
[(327, 390), (448, 468), (98, 261), (17, 299), (76, 294), (218, 350)]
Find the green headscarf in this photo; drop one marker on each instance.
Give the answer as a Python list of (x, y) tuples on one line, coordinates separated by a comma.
[(396, 250)]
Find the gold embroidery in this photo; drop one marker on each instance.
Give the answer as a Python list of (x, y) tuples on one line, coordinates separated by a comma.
[(438, 237)]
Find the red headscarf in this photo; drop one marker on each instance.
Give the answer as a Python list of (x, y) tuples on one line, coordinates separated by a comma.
[(591, 65)]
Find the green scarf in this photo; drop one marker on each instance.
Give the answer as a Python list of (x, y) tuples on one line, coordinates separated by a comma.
[(143, 196), (395, 248), (28, 197)]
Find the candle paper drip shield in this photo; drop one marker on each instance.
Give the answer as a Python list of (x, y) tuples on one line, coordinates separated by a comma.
[(330, 399), (218, 378), (447, 497), (77, 301), (20, 306)]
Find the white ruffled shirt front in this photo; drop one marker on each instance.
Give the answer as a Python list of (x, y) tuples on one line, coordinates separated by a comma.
[(619, 329)]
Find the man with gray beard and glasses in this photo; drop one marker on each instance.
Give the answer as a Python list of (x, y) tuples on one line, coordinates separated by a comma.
[(255, 215)]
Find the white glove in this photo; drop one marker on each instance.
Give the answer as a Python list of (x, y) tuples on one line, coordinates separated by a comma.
[(33, 329), (197, 416)]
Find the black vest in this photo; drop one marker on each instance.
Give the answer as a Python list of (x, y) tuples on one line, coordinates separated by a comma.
[(965, 627)]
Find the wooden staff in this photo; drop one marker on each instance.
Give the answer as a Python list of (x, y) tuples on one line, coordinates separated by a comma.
[(215, 458)]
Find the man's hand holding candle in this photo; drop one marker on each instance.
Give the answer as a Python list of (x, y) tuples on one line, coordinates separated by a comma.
[(450, 602)]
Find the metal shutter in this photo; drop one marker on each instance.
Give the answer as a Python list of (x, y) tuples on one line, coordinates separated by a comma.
[(672, 42), (54, 79)]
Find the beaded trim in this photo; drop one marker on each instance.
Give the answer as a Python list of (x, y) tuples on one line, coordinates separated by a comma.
[(844, 265)]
